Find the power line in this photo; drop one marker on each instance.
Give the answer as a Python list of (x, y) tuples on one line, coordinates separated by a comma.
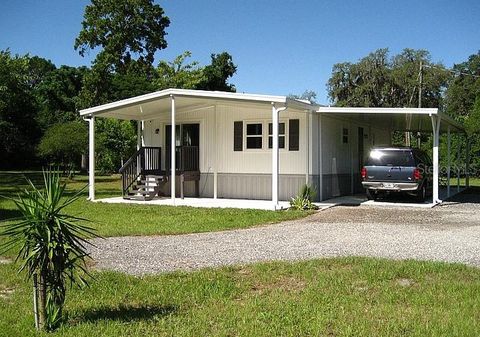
[(450, 70)]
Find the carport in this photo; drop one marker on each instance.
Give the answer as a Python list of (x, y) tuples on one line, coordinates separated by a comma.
[(424, 120)]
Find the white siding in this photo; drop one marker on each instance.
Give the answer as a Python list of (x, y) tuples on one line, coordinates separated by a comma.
[(216, 141)]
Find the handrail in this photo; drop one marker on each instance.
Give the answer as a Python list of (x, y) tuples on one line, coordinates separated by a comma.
[(186, 158), (146, 160), (128, 162)]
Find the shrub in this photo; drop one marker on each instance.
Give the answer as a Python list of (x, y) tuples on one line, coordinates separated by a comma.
[(304, 199), (51, 244)]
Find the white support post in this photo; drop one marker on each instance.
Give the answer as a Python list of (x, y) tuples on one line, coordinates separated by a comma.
[(139, 143), (215, 169), (320, 156), (139, 134), (172, 151), (307, 157), (275, 153), (91, 158), (436, 136), (458, 163), (449, 162)]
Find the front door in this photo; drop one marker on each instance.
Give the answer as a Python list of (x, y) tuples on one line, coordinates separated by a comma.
[(187, 141), (185, 135)]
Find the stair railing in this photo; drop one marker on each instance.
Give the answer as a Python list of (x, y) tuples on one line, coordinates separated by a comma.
[(186, 159), (145, 161)]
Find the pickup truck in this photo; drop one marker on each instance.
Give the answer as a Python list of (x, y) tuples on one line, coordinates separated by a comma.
[(397, 170)]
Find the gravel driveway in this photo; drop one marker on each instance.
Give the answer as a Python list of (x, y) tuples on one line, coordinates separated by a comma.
[(450, 232)]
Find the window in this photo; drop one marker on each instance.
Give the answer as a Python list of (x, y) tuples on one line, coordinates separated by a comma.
[(293, 135), (254, 136), (281, 135), (345, 136)]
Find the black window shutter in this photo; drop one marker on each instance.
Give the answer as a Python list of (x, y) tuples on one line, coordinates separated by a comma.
[(237, 136), (294, 135)]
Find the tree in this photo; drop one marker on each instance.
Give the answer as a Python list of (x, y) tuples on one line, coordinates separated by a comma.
[(52, 245), (17, 111), (116, 142), (217, 73), (57, 94), (177, 74), (380, 81), (125, 30), (308, 95), (464, 89), (463, 104), (63, 145)]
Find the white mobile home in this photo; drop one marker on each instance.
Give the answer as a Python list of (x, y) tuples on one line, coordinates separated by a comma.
[(232, 145)]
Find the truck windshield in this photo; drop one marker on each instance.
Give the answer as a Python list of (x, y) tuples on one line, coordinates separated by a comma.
[(380, 157)]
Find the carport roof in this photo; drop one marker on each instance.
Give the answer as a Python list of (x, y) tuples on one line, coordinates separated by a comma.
[(399, 119)]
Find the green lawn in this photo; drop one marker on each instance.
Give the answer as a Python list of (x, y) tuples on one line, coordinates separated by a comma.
[(122, 219), (330, 297), (327, 297), (473, 182)]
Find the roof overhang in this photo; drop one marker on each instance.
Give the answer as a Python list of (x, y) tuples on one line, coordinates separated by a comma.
[(398, 119), (150, 105)]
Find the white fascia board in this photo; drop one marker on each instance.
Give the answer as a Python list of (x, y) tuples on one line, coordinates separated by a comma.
[(351, 110), (450, 121), (182, 93), (300, 105)]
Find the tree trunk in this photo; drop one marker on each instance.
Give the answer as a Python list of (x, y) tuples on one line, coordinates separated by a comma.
[(42, 301)]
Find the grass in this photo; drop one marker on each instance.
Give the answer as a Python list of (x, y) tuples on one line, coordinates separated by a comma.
[(473, 182), (122, 219), (328, 297)]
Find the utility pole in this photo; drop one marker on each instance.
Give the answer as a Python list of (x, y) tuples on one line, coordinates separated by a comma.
[(420, 99)]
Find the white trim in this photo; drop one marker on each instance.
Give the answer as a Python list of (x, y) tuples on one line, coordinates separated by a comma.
[(261, 136), (355, 110)]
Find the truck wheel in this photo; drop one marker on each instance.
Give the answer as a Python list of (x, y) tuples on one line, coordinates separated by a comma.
[(371, 195), (422, 193)]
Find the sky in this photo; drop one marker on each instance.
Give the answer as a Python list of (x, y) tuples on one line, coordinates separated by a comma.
[(280, 47)]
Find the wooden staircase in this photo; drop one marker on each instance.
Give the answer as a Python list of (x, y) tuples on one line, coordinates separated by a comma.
[(146, 187), (143, 177)]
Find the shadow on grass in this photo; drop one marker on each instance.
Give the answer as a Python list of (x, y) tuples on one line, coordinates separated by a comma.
[(8, 214), (126, 313), (470, 195)]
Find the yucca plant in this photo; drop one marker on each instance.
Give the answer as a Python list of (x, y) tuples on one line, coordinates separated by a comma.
[(304, 199), (52, 245)]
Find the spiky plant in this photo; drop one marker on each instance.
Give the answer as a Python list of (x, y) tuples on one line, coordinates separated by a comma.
[(304, 199), (51, 243)]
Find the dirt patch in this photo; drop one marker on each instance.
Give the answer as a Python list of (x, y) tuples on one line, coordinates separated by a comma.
[(289, 284), (5, 260), (405, 282), (6, 292)]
